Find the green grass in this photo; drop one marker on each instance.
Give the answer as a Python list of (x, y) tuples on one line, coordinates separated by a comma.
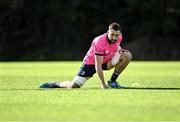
[(157, 97)]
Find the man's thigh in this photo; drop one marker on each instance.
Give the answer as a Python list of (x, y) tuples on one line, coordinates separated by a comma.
[(110, 64)]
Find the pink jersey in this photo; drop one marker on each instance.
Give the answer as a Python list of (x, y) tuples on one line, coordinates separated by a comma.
[(101, 46)]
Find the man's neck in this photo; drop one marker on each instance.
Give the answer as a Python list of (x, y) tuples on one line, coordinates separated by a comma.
[(109, 41)]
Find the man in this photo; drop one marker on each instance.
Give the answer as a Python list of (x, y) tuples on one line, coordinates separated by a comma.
[(105, 53)]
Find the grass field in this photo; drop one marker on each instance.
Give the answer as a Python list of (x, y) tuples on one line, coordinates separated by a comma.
[(154, 94)]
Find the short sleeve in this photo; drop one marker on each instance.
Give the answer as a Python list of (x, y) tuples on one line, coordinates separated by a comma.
[(99, 47)]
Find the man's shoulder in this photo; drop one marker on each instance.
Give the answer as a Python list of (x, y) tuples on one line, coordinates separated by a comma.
[(101, 38)]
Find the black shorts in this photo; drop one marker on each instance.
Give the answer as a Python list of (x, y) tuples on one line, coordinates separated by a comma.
[(89, 70)]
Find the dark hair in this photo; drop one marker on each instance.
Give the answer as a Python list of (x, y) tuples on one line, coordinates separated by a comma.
[(115, 26)]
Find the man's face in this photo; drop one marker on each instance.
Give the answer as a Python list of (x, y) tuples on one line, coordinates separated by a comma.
[(113, 35)]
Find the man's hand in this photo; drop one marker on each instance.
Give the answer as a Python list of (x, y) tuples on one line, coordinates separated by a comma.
[(104, 87)]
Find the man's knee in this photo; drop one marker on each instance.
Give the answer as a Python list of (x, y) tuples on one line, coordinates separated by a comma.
[(127, 56)]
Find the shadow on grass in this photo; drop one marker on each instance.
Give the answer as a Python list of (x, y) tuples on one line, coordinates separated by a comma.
[(20, 89), (142, 88), (90, 88), (152, 88)]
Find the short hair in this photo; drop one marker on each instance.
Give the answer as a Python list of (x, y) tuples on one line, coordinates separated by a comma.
[(115, 26)]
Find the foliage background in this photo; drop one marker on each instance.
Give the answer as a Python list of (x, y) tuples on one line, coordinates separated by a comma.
[(63, 29)]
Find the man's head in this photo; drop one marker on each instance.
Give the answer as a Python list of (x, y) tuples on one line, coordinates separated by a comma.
[(113, 32)]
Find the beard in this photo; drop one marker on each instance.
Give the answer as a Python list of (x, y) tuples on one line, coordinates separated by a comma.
[(113, 41)]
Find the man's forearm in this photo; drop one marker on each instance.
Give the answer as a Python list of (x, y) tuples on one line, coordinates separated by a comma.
[(100, 74)]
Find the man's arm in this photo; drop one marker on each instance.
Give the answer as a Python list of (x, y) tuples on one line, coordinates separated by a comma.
[(98, 66)]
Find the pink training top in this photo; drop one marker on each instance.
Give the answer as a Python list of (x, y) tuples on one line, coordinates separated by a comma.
[(101, 46)]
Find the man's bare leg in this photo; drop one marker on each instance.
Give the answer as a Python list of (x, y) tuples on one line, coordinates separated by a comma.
[(63, 84), (68, 84), (124, 60), (77, 82)]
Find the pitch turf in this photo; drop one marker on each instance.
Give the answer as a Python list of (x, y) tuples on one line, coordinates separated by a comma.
[(155, 95)]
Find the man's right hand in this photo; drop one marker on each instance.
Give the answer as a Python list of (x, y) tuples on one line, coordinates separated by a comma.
[(104, 87)]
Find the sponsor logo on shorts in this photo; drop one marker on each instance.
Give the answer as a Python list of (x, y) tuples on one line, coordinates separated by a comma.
[(82, 72)]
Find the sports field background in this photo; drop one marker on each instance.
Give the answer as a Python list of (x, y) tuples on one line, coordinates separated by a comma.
[(154, 93)]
